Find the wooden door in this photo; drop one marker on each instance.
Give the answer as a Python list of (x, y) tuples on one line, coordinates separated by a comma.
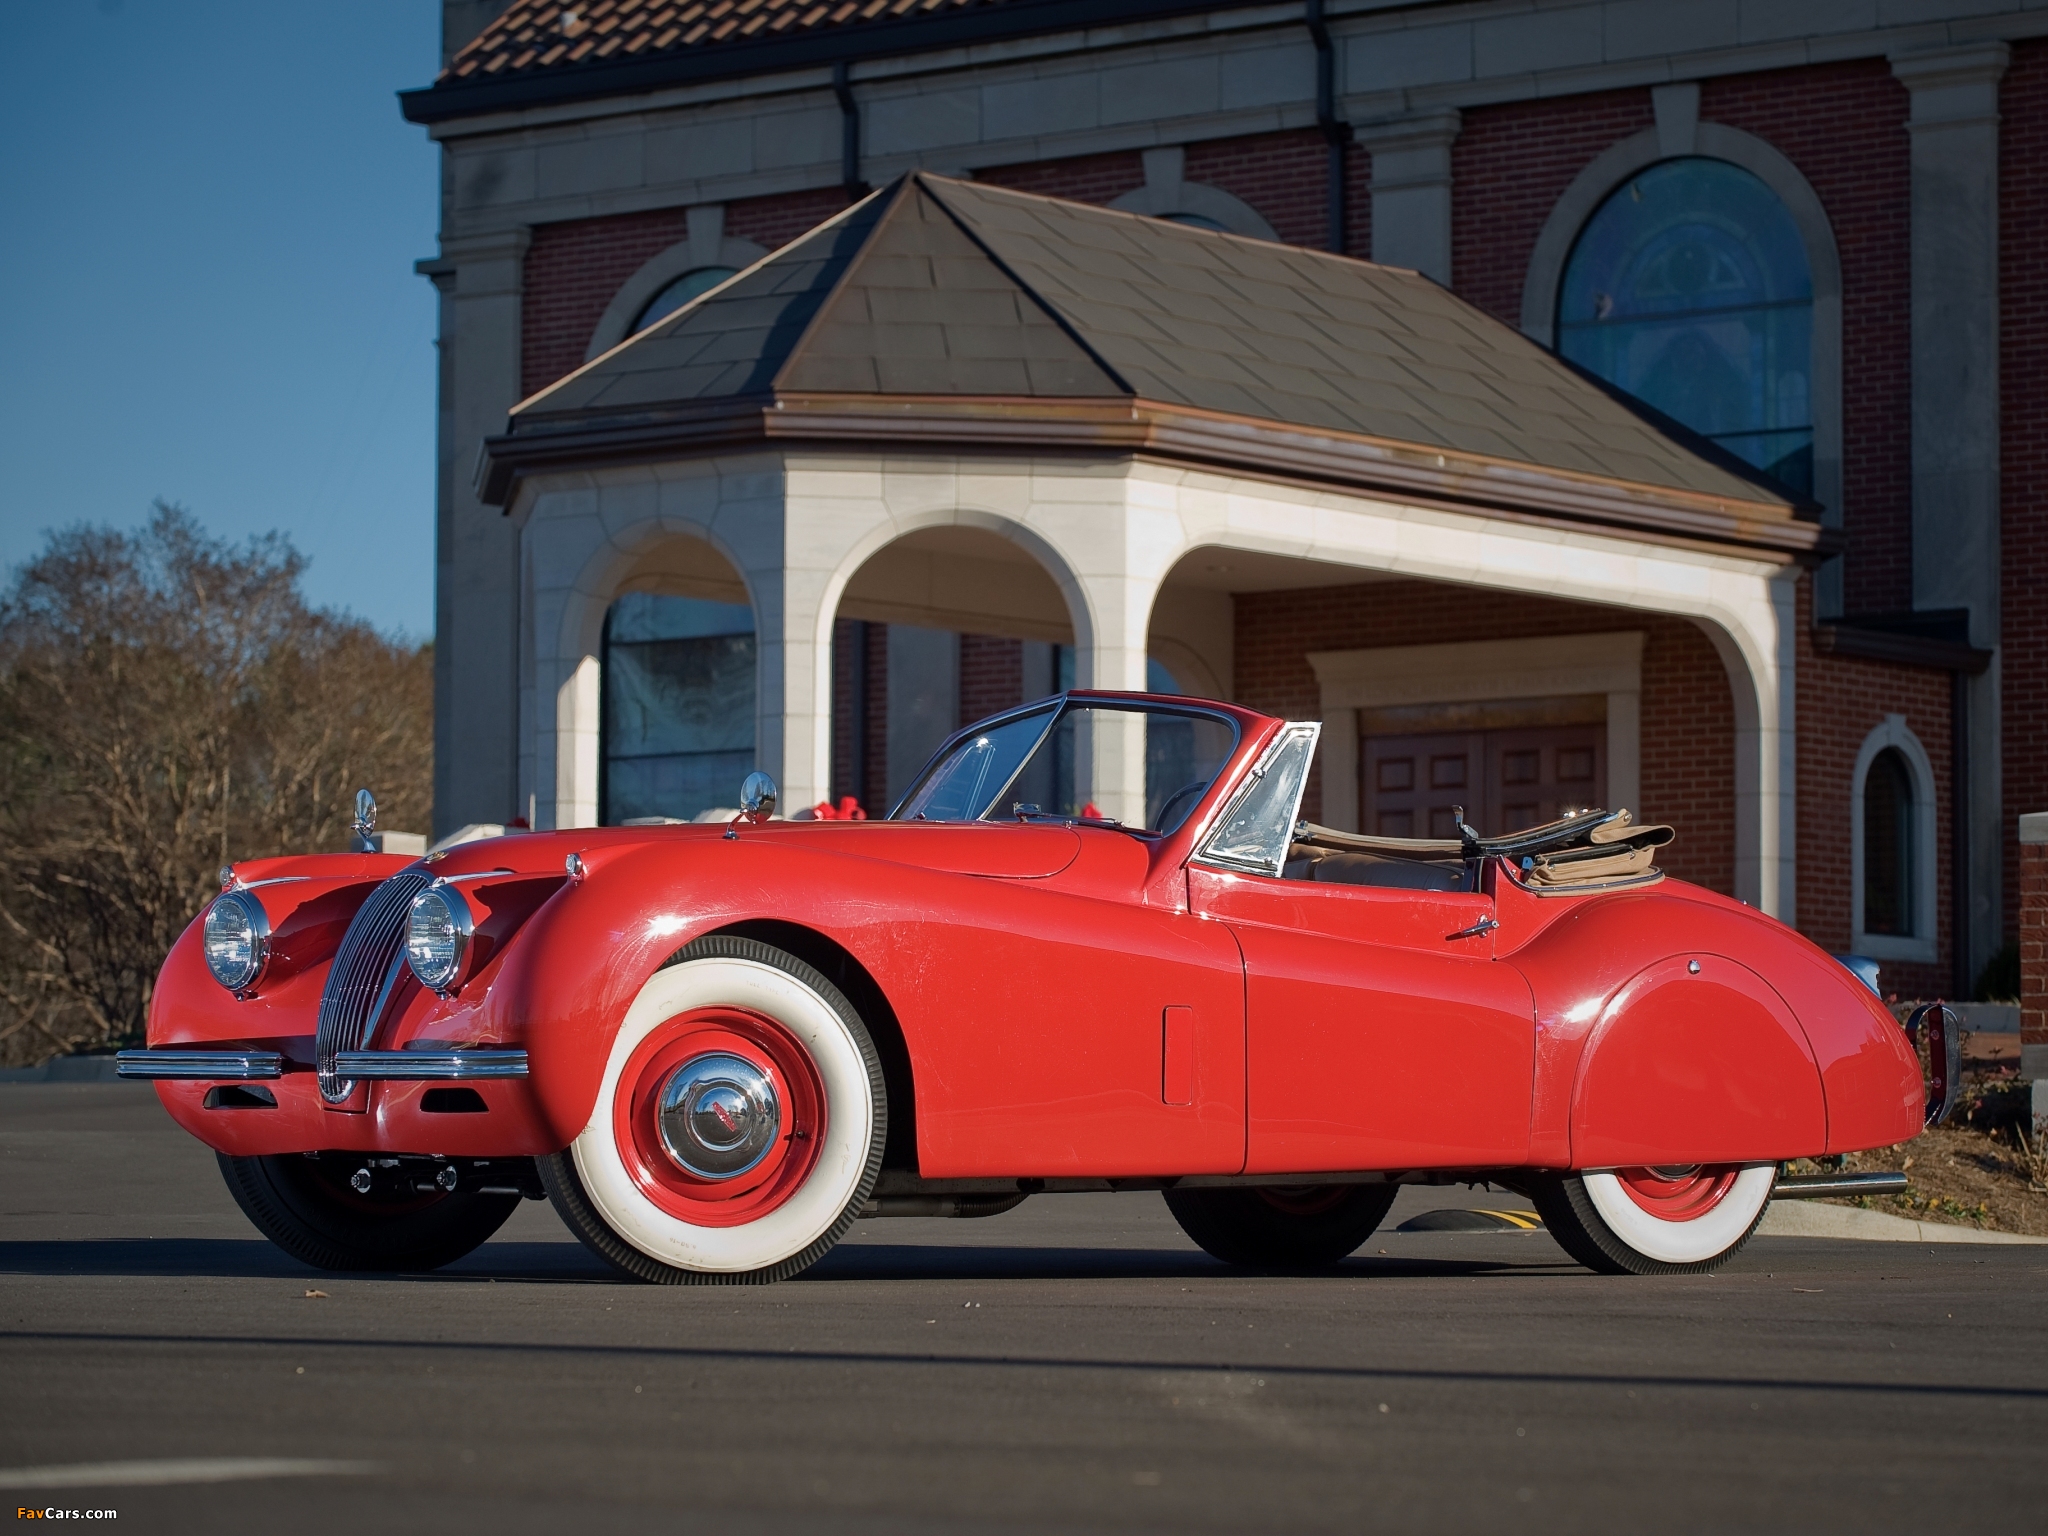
[(1538, 774), (1505, 779), (1412, 783)]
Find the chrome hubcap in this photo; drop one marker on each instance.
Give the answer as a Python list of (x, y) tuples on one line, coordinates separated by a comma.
[(719, 1116), (1673, 1173)]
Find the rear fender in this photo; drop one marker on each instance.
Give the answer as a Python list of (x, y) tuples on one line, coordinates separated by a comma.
[(1696, 1060), (1579, 964)]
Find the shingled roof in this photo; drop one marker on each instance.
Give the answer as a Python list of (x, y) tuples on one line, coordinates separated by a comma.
[(548, 50), (947, 312)]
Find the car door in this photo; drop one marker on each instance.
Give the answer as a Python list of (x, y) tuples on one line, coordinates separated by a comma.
[(1380, 1031), (1059, 1030)]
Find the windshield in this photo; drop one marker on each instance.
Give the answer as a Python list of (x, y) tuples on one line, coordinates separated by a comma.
[(1144, 769)]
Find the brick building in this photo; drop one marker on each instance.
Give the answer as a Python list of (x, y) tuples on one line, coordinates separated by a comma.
[(1802, 234)]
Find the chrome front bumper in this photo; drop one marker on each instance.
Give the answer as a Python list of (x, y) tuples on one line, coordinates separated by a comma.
[(385, 1066), (429, 1066), (214, 1066)]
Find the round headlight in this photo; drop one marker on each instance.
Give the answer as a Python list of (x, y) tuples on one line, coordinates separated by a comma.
[(237, 935), (437, 936)]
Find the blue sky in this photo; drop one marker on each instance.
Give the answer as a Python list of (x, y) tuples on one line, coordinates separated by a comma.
[(211, 211)]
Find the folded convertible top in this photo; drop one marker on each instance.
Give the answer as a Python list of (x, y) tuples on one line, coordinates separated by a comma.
[(1590, 848)]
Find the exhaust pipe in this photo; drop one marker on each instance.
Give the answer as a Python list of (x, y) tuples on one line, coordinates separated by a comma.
[(942, 1205), (1823, 1186)]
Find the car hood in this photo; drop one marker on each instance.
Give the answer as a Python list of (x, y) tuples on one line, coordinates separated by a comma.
[(1011, 850), (1006, 850)]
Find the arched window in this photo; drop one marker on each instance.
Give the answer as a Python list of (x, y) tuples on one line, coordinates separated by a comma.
[(1197, 221), (1888, 846), (679, 293), (677, 724), (1892, 855), (1689, 288)]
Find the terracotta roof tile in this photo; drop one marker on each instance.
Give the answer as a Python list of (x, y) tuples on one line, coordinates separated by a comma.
[(537, 38)]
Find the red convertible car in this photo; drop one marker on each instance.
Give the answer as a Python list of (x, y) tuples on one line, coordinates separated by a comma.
[(715, 1047)]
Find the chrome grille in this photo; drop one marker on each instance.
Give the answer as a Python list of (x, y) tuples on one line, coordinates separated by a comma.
[(365, 971)]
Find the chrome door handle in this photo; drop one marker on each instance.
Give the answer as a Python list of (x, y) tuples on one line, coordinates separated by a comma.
[(1484, 925)]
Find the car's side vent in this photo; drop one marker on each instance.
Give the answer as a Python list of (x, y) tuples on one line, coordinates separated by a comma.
[(366, 970), (239, 1096), (453, 1101)]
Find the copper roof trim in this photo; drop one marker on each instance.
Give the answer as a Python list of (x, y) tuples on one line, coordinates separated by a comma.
[(1268, 449)]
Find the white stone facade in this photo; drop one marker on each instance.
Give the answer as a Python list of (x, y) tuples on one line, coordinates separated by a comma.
[(794, 529)]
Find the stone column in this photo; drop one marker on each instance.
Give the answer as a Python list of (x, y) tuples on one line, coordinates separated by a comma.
[(477, 578), (1411, 191), (1955, 432)]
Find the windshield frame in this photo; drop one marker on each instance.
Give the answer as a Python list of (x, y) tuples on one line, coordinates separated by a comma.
[(1055, 706)]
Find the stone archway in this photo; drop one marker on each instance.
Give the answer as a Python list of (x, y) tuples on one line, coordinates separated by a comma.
[(562, 757), (940, 626)]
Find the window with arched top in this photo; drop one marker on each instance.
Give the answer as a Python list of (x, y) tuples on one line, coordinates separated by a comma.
[(1196, 221), (690, 285), (1689, 287), (1888, 846), (1892, 856), (676, 722)]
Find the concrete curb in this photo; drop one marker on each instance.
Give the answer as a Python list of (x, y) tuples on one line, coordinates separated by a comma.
[(1808, 1218)]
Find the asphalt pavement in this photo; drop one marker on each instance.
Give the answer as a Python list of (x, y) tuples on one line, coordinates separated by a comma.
[(1075, 1365)]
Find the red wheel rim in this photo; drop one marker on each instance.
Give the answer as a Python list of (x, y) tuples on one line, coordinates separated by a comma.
[(1677, 1194), (758, 1040)]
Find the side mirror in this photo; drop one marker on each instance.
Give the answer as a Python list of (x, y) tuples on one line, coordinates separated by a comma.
[(757, 797)]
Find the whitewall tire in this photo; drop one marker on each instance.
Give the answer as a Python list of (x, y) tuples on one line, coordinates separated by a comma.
[(738, 1127), (1649, 1221)]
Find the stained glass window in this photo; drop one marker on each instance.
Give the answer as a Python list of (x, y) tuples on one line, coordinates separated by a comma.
[(1689, 288)]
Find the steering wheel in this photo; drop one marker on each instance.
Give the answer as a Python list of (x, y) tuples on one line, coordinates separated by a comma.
[(1177, 805)]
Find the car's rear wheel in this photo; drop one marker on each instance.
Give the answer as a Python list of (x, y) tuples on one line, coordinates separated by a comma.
[(1309, 1226), (1681, 1220), (307, 1207), (739, 1126)]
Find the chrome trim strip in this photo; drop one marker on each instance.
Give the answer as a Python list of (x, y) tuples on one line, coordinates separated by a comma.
[(1205, 853), (245, 1066), (429, 1066), (482, 874)]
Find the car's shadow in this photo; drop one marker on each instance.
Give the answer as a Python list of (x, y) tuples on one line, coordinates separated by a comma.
[(570, 1263), (919, 1261)]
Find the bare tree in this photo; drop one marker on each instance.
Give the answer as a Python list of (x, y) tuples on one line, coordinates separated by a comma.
[(168, 703)]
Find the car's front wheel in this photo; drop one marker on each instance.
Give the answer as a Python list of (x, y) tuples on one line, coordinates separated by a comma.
[(739, 1126), (1655, 1221), (309, 1207), (1310, 1226)]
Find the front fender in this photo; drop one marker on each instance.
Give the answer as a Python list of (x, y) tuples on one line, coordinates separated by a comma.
[(566, 982)]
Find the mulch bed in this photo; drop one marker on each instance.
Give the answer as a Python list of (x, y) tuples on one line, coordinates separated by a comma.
[(1979, 1170)]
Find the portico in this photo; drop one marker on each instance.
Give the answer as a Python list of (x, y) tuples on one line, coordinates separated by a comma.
[(1124, 423)]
